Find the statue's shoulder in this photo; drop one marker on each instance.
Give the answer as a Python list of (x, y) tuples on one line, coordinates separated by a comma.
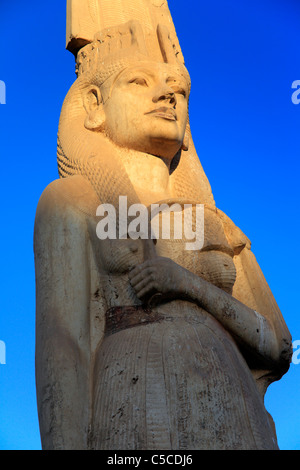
[(236, 238), (74, 194)]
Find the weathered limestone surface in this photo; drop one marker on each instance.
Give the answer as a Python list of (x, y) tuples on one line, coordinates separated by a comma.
[(141, 343), (85, 18)]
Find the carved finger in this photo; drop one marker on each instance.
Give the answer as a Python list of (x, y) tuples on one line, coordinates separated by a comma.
[(138, 269), (138, 287), (148, 288), (140, 276)]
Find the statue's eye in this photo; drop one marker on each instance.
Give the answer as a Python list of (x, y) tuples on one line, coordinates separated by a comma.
[(177, 87), (182, 91), (179, 90), (139, 81)]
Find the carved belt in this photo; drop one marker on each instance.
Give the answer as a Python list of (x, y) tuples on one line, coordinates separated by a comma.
[(122, 318)]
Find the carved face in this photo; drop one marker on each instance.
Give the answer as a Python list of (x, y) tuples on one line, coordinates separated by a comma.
[(145, 108)]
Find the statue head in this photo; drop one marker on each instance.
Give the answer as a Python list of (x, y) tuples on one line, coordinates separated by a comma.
[(139, 99), (143, 107), (130, 93)]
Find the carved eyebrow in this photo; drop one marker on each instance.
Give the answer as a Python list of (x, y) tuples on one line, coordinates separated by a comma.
[(177, 81), (131, 73), (178, 85), (128, 71)]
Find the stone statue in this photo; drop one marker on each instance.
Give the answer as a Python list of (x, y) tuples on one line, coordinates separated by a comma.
[(140, 343)]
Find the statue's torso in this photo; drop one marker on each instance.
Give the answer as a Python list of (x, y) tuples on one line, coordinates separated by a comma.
[(171, 377)]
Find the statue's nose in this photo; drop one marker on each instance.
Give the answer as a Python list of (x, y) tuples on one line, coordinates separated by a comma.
[(165, 94)]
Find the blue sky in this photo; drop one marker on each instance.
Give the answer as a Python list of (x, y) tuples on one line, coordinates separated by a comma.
[(243, 58)]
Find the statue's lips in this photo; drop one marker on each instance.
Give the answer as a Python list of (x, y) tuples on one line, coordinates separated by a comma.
[(165, 113)]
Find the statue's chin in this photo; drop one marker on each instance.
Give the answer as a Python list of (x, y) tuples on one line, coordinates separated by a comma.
[(161, 146), (165, 148)]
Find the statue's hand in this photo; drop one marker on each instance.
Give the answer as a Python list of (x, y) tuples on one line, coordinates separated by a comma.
[(157, 275)]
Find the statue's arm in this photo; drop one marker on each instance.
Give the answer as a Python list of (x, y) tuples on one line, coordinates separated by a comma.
[(252, 289), (62, 322), (262, 337)]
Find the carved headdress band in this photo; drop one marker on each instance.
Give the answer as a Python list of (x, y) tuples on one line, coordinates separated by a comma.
[(117, 47)]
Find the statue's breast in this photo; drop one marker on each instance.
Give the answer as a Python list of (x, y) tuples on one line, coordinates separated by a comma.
[(213, 261)]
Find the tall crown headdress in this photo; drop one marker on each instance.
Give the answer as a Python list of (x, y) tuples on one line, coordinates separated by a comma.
[(105, 36), (85, 18), (111, 33)]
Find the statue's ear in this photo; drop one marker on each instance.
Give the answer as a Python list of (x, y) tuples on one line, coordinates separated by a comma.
[(92, 101)]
